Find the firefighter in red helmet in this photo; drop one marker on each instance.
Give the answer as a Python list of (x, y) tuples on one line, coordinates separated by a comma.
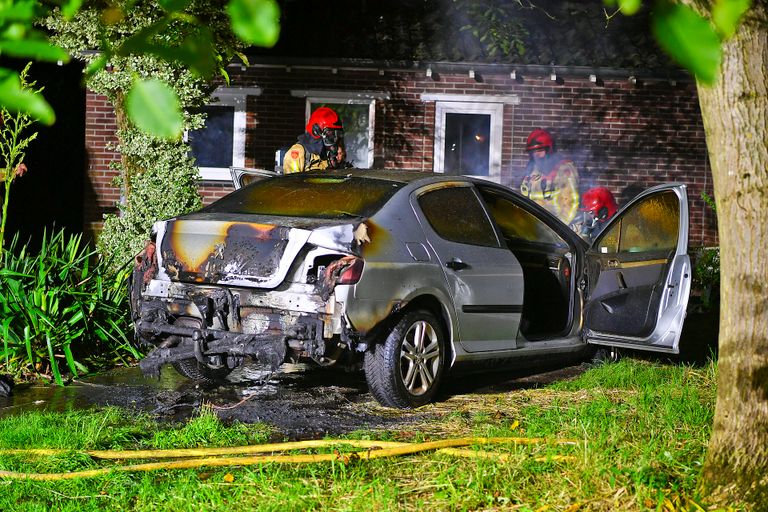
[(551, 181), (320, 147), (597, 206)]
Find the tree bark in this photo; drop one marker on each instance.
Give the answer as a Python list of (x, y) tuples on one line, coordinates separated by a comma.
[(735, 114)]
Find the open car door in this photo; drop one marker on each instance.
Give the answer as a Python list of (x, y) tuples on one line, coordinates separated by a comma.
[(638, 274)]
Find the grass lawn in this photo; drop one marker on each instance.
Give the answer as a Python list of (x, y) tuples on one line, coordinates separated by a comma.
[(641, 430)]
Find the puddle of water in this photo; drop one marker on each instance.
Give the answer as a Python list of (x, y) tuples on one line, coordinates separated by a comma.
[(300, 401), (122, 387)]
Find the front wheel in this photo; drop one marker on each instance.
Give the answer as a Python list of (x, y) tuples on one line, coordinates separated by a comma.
[(406, 370)]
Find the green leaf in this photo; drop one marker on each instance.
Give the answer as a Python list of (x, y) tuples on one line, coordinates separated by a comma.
[(96, 65), (23, 10), (255, 21), (15, 99), (154, 108), (174, 5), (54, 364), (629, 7), (70, 7), (727, 13), (70, 359), (37, 49), (690, 39)]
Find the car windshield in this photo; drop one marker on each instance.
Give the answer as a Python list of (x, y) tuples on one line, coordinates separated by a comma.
[(326, 197)]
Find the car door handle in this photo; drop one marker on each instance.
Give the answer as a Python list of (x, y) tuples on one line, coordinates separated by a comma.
[(455, 264), (613, 263)]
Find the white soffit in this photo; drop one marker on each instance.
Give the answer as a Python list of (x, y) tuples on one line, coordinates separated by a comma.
[(342, 95), (510, 99)]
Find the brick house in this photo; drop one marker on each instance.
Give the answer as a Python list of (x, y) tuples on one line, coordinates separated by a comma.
[(626, 128)]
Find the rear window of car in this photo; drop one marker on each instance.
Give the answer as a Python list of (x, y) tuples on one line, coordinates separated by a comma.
[(331, 197)]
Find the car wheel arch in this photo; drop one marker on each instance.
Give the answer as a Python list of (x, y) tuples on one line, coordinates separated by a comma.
[(426, 302)]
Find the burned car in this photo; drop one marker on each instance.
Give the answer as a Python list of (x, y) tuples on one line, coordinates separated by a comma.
[(414, 275)]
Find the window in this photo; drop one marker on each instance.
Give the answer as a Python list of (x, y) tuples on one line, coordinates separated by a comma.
[(455, 213), (468, 133), (220, 143), (650, 225), (326, 197), (357, 111), (518, 224)]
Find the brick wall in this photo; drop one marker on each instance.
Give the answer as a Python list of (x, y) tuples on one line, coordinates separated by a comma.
[(621, 135), (100, 195)]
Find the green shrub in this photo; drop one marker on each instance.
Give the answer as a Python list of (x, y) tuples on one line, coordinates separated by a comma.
[(706, 274), (61, 310)]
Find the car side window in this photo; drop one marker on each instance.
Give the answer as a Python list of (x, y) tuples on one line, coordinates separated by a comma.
[(455, 213), (650, 225), (516, 223)]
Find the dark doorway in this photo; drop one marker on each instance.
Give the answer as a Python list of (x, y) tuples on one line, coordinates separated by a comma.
[(50, 194)]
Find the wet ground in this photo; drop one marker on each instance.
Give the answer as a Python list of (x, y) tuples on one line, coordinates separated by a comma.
[(299, 401), (302, 401)]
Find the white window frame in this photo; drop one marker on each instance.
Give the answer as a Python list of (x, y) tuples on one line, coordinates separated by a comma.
[(236, 97), (349, 97), (492, 105)]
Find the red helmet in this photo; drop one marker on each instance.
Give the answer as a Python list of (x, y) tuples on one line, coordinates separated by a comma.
[(321, 119), (600, 202), (539, 139)]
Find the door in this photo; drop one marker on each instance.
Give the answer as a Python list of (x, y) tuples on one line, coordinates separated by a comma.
[(638, 274), (485, 280)]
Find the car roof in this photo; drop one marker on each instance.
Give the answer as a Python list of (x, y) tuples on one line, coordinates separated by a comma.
[(394, 175)]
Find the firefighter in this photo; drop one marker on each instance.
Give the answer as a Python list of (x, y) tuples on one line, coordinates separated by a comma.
[(320, 147), (549, 180), (598, 205)]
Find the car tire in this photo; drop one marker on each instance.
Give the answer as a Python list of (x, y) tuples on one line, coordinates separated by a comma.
[(192, 369), (406, 370)]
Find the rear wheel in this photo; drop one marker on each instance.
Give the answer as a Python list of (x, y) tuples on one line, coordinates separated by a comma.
[(192, 369), (406, 370)]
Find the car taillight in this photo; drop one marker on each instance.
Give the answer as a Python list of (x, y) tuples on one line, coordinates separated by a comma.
[(352, 273)]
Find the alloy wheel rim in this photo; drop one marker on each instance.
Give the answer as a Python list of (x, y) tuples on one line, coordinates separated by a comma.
[(419, 358)]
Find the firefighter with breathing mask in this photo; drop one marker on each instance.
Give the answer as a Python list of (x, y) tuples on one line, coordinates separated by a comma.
[(598, 205), (549, 180), (320, 147)]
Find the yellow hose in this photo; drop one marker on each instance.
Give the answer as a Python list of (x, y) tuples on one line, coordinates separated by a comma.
[(375, 451)]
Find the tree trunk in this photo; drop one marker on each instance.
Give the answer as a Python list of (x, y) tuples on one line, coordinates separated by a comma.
[(735, 113)]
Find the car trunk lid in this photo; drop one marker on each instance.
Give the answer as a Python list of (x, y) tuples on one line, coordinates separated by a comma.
[(256, 252)]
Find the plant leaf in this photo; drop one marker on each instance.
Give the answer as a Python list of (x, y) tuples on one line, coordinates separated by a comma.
[(154, 107), (690, 39), (174, 5), (37, 49), (15, 99), (23, 10), (629, 7), (255, 21), (54, 364), (727, 13), (70, 7), (96, 65)]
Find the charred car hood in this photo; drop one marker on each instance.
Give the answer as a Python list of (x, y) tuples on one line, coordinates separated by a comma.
[(242, 250)]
